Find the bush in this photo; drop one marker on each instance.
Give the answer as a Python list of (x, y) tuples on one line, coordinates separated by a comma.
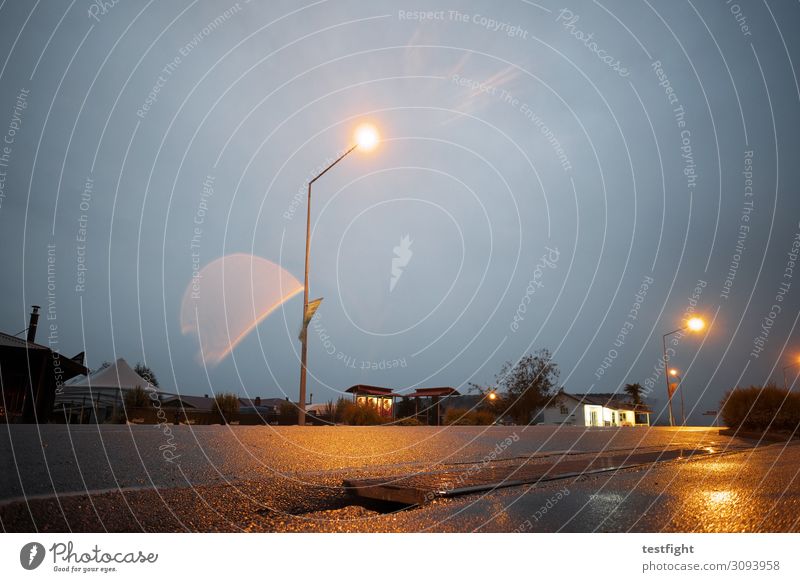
[(136, 397), (341, 406), (353, 414), (483, 417), (759, 408), (464, 417), (408, 421), (329, 412)]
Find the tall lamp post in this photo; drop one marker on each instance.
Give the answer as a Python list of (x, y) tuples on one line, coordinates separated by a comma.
[(694, 324), (679, 387), (366, 138)]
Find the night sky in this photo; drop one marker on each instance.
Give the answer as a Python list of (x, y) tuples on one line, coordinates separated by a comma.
[(579, 177)]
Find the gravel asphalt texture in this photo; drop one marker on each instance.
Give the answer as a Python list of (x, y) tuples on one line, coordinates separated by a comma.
[(229, 478)]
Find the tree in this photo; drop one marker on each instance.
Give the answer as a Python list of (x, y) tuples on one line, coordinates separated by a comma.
[(146, 373), (226, 405), (329, 412), (634, 391), (136, 397), (528, 384)]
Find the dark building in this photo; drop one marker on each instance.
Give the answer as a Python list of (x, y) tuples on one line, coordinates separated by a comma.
[(430, 403), (30, 375)]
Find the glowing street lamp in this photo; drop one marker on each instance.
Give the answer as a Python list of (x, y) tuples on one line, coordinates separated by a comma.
[(366, 138), (694, 324)]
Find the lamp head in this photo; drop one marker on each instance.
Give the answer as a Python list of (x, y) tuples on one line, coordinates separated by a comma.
[(366, 136), (673, 372), (695, 324)]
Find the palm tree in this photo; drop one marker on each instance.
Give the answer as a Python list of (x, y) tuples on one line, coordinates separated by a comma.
[(634, 391)]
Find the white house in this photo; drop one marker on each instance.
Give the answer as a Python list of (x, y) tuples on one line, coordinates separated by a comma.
[(593, 410)]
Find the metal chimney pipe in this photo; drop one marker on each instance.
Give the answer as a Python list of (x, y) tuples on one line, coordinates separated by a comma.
[(34, 323)]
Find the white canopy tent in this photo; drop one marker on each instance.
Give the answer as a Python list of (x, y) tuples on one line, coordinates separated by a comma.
[(100, 394)]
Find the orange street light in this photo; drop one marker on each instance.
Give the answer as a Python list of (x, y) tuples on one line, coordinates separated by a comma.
[(694, 324), (366, 138), (492, 395)]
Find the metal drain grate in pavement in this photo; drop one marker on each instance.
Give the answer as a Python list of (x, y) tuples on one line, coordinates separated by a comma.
[(421, 488)]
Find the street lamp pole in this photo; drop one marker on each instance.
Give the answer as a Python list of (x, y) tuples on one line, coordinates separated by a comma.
[(785, 386), (694, 324), (366, 137), (679, 387), (301, 410), (666, 373)]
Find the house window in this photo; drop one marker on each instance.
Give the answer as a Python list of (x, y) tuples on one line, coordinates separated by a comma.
[(563, 410)]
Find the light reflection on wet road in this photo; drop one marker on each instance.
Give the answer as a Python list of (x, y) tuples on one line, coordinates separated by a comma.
[(288, 479)]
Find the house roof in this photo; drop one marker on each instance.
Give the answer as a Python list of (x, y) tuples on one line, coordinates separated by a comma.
[(370, 390), (613, 401), (72, 366), (198, 402), (621, 400), (428, 392), (207, 402), (10, 341), (318, 407), (274, 402), (462, 401), (262, 401)]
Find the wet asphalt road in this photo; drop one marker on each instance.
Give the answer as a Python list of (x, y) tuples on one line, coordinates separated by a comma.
[(289, 479)]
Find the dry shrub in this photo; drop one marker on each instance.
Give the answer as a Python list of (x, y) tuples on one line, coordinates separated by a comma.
[(358, 415), (761, 408), (464, 417)]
